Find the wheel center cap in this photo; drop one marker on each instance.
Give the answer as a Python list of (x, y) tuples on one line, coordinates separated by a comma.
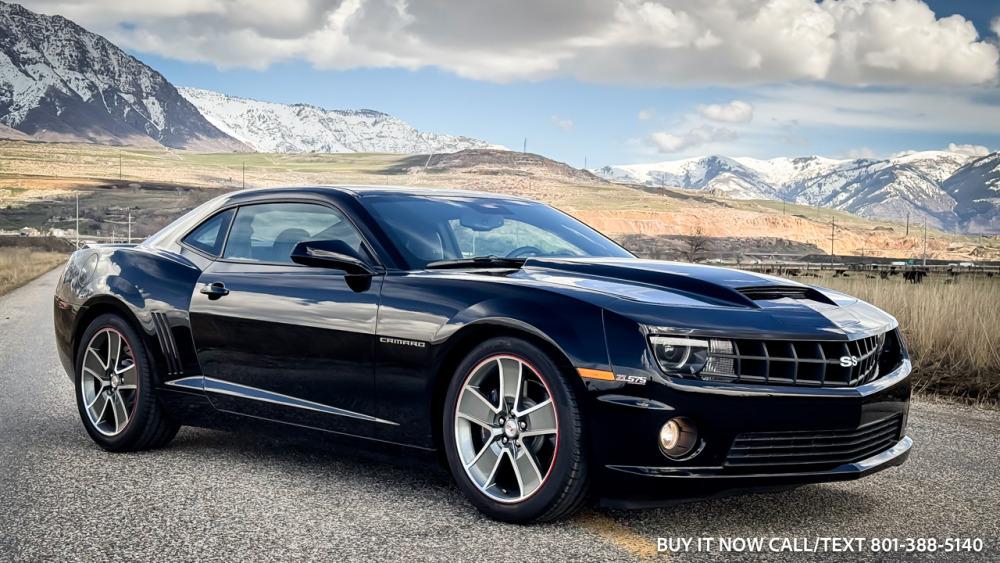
[(510, 428), (115, 381)]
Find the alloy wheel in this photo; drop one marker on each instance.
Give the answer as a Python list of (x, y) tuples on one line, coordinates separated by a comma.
[(506, 428), (109, 382)]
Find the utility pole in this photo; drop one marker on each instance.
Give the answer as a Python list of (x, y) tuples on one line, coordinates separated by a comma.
[(130, 226), (524, 148), (925, 242), (244, 175), (833, 228), (907, 224), (584, 162), (78, 220)]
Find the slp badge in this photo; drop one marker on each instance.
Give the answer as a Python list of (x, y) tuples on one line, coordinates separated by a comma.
[(633, 379)]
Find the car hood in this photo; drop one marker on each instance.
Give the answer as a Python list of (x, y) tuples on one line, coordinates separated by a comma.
[(708, 299)]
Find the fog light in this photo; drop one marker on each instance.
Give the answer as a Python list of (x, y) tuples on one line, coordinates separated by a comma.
[(678, 437)]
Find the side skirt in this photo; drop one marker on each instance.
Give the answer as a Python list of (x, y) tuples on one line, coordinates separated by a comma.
[(211, 385)]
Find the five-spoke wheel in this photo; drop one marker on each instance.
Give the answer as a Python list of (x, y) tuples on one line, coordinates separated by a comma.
[(506, 428), (514, 434), (114, 388), (109, 382)]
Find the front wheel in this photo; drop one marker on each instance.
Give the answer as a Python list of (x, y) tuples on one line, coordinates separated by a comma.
[(114, 389), (513, 433)]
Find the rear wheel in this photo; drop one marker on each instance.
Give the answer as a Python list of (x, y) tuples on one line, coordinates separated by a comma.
[(513, 433), (114, 389)]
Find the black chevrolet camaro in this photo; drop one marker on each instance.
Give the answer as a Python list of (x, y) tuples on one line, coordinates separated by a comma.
[(541, 362)]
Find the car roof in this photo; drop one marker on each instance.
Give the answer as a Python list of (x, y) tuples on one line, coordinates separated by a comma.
[(361, 191)]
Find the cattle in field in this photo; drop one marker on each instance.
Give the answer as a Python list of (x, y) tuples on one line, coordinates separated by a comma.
[(914, 276)]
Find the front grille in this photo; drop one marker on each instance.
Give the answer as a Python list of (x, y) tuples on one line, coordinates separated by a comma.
[(804, 362), (830, 448)]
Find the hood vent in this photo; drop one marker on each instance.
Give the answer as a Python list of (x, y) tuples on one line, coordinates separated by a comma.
[(770, 293)]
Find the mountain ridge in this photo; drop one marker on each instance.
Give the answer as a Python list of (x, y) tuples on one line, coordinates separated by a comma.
[(931, 185), (60, 82), (300, 128)]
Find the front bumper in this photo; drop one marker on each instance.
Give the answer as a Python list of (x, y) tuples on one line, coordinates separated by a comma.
[(638, 487), (632, 472)]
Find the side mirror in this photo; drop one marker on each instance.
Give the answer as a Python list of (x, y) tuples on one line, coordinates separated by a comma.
[(330, 254)]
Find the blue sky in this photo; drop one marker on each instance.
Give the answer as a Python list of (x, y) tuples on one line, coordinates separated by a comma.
[(612, 101)]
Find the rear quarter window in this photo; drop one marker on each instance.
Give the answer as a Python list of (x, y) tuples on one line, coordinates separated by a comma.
[(210, 235)]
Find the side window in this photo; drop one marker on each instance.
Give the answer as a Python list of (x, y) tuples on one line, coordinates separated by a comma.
[(268, 232), (211, 234)]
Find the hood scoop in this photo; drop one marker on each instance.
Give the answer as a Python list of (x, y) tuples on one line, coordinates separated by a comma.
[(775, 292)]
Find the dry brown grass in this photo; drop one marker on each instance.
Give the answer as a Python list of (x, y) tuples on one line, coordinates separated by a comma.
[(952, 330), (18, 266), (54, 171)]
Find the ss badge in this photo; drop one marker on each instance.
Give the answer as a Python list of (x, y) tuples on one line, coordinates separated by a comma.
[(848, 361)]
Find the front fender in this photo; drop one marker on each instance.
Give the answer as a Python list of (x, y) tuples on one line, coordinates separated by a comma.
[(575, 329)]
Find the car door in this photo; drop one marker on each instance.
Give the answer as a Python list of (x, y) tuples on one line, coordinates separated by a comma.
[(283, 341)]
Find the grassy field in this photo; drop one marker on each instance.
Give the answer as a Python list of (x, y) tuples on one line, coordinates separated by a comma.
[(950, 328), (18, 266)]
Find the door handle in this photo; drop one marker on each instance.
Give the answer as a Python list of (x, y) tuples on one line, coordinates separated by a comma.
[(215, 290)]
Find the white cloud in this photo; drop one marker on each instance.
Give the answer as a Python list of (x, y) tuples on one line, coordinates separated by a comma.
[(970, 150), (863, 152), (645, 115), (735, 111), (973, 110), (695, 137), (660, 42), (562, 123)]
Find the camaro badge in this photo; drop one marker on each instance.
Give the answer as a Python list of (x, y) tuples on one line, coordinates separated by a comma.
[(401, 342)]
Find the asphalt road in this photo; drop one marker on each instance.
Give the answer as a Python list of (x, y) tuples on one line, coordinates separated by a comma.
[(211, 496)]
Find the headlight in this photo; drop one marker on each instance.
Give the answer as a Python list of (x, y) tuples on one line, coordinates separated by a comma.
[(679, 355)]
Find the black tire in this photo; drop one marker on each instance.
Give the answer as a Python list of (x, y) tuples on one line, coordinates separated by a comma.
[(565, 488), (148, 426)]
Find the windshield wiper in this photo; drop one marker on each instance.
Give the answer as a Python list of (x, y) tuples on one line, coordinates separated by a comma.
[(478, 262)]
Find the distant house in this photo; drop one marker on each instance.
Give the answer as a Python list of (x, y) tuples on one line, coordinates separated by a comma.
[(62, 233), (29, 232)]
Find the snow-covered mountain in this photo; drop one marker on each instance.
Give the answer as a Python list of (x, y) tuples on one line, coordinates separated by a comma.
[(714, 174), (273, 127), (975, 188), (951, 189), (61, 82)]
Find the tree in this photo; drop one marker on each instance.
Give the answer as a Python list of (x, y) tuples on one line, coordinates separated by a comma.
[(695, 245)]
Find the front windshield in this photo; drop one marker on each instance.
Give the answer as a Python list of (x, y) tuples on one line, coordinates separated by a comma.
[(432, 229)]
